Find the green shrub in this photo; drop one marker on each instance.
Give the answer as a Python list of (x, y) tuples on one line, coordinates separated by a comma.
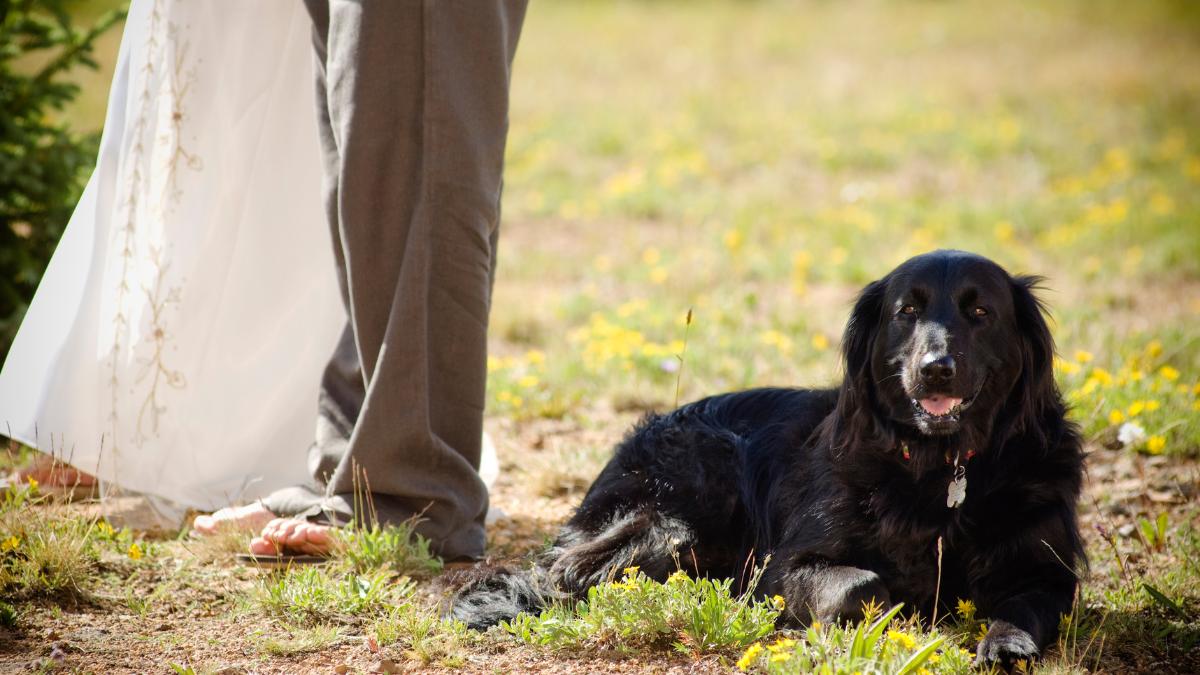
[(43, 162), (310, 595), (393, 547), (692, 615)]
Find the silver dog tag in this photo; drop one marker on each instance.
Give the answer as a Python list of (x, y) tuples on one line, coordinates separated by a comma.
[(956, 494)]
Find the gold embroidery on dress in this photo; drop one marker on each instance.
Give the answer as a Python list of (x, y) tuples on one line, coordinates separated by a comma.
[(165, 86)]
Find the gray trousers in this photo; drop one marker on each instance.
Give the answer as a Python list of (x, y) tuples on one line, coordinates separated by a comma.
[(412, 104)]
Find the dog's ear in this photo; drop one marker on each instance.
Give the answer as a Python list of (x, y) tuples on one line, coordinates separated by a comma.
[(1036, 389), (855, 425), (859, 339)]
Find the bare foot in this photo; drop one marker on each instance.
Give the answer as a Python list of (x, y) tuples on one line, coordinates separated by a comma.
[(250, 517), (290, 535), (50, 472)]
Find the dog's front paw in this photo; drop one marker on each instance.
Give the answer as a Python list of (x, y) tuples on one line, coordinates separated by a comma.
[(1005, 644)]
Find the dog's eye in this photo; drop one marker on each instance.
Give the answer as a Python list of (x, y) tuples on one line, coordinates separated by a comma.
[(908, 309), (979, 312)]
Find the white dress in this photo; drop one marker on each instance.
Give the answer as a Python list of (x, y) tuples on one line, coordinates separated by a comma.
[(175, 345)]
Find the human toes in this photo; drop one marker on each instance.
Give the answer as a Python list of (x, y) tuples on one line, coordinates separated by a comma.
[(280, 530), (248, 517), (311, 538), (274, 537), (263, 546)]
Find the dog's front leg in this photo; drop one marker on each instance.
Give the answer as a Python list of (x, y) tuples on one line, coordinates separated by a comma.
[(826, 593)]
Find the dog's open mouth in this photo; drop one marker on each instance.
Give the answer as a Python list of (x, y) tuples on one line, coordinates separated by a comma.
[(940, 406), (945, 407)]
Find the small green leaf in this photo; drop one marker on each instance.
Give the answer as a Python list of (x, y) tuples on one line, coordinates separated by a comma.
[(1161, 598), (920, 657)]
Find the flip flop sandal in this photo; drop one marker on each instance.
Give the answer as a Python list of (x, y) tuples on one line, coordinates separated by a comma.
[(281, 561)]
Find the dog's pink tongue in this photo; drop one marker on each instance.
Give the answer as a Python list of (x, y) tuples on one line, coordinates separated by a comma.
[(939, 405)]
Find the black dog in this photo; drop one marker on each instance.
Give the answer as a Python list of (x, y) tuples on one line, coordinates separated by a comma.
[(948, 425)]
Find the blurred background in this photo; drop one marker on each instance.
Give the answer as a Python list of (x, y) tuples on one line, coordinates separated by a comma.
[(756, 163)]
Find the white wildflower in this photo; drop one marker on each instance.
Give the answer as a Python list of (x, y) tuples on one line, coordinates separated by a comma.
[(1131, 434)]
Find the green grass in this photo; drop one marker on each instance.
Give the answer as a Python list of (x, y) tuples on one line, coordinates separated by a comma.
[(308, 595), (420, 634), (1148, 607), (761, 181), (396, 548), (47, 550), (692, 616), (879, 643), (301, 640)]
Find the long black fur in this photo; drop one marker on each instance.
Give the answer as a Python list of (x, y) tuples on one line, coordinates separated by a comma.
[(817, 478)]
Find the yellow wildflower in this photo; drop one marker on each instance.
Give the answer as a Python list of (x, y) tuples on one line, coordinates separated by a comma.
[(781, 657), (1083, 357), (733, 240), (983, 630), (33, 484), (1116, 417), (903, 639), (1168, 373), (781, 644), (1161, 204), (535, 357), (776, 339), (1155, 445), (1152, 405), (10, 544), (778, 602), (935, 657), (658, 275), (651, 256), (632, 571), (104, 529), (1066, 367), (1154, 348), (135, 552), (820, 342), (1136, 408), (528, 381), (966, 609), (816, 625), (749, 657)]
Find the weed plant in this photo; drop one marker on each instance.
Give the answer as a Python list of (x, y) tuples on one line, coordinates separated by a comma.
[(398, 548), (308, 595), (693, 616)]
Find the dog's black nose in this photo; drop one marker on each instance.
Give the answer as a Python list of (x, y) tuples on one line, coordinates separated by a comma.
[(937, 367)]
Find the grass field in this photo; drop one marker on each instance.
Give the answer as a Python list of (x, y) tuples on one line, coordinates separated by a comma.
[(752, 164)]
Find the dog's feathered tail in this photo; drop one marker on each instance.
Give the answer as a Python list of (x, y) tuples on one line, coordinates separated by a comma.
[(489, 595)]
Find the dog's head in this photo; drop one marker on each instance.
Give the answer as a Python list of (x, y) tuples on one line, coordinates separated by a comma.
[(947, 342)]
